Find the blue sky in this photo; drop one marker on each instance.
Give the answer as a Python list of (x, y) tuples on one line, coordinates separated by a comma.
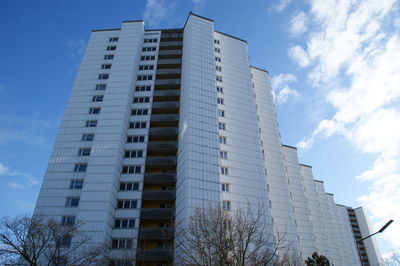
[(334, 68)]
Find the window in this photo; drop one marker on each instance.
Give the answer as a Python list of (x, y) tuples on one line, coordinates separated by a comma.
[(80, 167), (127, 204), (68, 220), (87, 137), (218, 59), (139, 112), (220, 90), (149, 49), (124, 223), (217, 50), (72, 202), (143, 88), (144, 77), (166, 205), (98, 98), (114, 39), (221, 113), (103, 76), (223, 154), (105, 66), (122, 243), (66, 243), (91, 123), (218, 68), (146, 67), (147, 57), (219, 78), (224, 170), (128, 186), (134, 139), (84, 152), (137, 125), (221, 126), (150, 40), (141, 99), (100, 87), (133, 153), (222, 140), (226, 205), (220, 101), (76, 184), (216, 41), (94, 110), (225, 187), (131, 169), (111, 48), (108, 56)]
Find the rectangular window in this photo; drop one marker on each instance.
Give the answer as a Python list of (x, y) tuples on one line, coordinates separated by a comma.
[(217, 50), (139, 112), (220, 101), (135, 139), (103, 76), (220, 90), (141, 99), (218, 59), (133, 153), (113, 39), (94, 110), (147, 57), (216, 41), (98, 98), (111, 48), (224, 170), (145, 77), (127, 204), (131, 169), (218, 68), (68, 220), (80, 167), (149, 49), (91, 123), (122, 243), (221, 126), (225, 187), (221, 113), (100, 87), (146, 67), (226, 205), (222, 140), (137, 125), (219, 78), (124, 223), (76, 184), (108, 57), (223, 154), (129, 186), (143, 88), (87, 137), (105, 66), (150, 40), (84, 152), (72, 202)]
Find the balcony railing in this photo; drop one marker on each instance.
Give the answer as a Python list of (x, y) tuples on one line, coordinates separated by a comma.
[(162, 145), (164, 117), (156, 233), (157, 213), (163, 131), (168, 52), (168, 82), (165, 105), (167, 160), (169, 62), (159, 177), (176, 43), (157, 195), (154, 255)]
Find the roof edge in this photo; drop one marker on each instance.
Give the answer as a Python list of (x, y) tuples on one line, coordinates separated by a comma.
[(191, 13), (261, 70), (230, 36), (106, 30), (127, 21), (306, 165), (288, 146)]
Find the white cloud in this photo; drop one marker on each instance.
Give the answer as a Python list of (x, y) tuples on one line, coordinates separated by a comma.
[(199, 5), (280, 6), (281, 90), (353, 55), (298, 24), (157, 12), (25, 180)]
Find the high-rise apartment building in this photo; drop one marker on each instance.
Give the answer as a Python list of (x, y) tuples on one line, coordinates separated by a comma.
[(161, 122)]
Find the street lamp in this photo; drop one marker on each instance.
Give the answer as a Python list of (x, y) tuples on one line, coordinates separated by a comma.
[(362, 239)]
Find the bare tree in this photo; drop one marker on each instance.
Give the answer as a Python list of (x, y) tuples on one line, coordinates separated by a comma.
[(216, 237), (393, 260), (39, 241)]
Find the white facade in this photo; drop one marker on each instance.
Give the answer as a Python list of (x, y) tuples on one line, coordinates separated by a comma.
[(229, 149)]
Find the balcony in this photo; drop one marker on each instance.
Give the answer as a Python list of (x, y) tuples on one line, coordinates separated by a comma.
[(157, 213), (158, 195), (173, 43), (168, 81), (167, 93), (159, 178), (156, 233), (168, 160), (162, 145), (169, 52), (169, 62), (155, 255), (168, 71), (164, 117), (163, 131)]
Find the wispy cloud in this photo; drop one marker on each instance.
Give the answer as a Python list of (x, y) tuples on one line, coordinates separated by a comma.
[(158, 12), (20, 180), (281, 90), (298, 24), (280, 6), (352, 55), (199, 5)]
